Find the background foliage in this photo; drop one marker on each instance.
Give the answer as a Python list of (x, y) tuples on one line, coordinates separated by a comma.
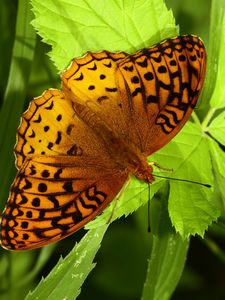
[(122, 260)]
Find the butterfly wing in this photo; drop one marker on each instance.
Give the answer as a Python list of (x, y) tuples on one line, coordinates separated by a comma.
[(65, 177), (90, 82), (159, 88), (50, 126), (53, 196)]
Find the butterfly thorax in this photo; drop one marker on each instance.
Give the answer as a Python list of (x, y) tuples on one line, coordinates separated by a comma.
[(129, 157), (139, 167), (144, 172)]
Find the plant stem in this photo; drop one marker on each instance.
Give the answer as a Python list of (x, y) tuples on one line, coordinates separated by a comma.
[(208, 118), (195, 118), (215, 249)]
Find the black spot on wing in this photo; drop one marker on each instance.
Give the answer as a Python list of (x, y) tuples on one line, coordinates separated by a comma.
[(50, 106), (111, 89)]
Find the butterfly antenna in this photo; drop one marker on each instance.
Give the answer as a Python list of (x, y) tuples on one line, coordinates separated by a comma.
[(185, 180), (149, 226)]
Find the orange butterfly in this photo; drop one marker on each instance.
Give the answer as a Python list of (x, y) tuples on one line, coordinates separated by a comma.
[(77, 147)]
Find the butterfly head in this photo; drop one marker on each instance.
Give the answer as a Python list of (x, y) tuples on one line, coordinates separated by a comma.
[(144, 172)]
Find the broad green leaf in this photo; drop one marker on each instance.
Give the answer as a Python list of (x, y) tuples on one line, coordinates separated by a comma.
[(217, 127), (178, 151), (66, 279), (191, 207), (168, 254), (218, 155), (218, 161), (74, 27), (192, 210)]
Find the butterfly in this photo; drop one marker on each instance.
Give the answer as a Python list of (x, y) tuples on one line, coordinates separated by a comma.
[(76, 147)]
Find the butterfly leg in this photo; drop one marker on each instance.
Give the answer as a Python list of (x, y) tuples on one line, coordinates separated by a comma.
[(117, 199), (153, 163)]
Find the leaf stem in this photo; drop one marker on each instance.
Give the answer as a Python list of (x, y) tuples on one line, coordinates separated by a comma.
[(208, 119), (195, 118), (215, 249)]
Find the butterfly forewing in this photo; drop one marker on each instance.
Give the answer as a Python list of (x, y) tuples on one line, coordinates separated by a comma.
[(90, 81), (159, 87), (51, 127)]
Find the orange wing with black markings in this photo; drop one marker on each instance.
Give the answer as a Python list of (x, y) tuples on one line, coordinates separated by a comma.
[(159, 89), (51, 127), (52, 197), (65, 178)]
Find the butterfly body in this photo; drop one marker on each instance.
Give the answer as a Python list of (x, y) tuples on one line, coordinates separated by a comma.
[(76, 147), (122, 151)]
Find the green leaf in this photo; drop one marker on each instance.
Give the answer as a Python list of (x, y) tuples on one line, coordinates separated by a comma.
[(218, 155), (191, 207), (178, 151), (192, 210), (218, 159), (217, 128), (168, 253), (65, 281), (73, 28)]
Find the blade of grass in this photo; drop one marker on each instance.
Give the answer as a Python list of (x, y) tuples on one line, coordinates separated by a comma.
[(217, 99), (168, 253), (13, 103), (23, 51), (215, 34), (42, 259)]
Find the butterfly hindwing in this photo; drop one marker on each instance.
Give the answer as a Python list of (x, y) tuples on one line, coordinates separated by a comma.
[(53, 197)]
